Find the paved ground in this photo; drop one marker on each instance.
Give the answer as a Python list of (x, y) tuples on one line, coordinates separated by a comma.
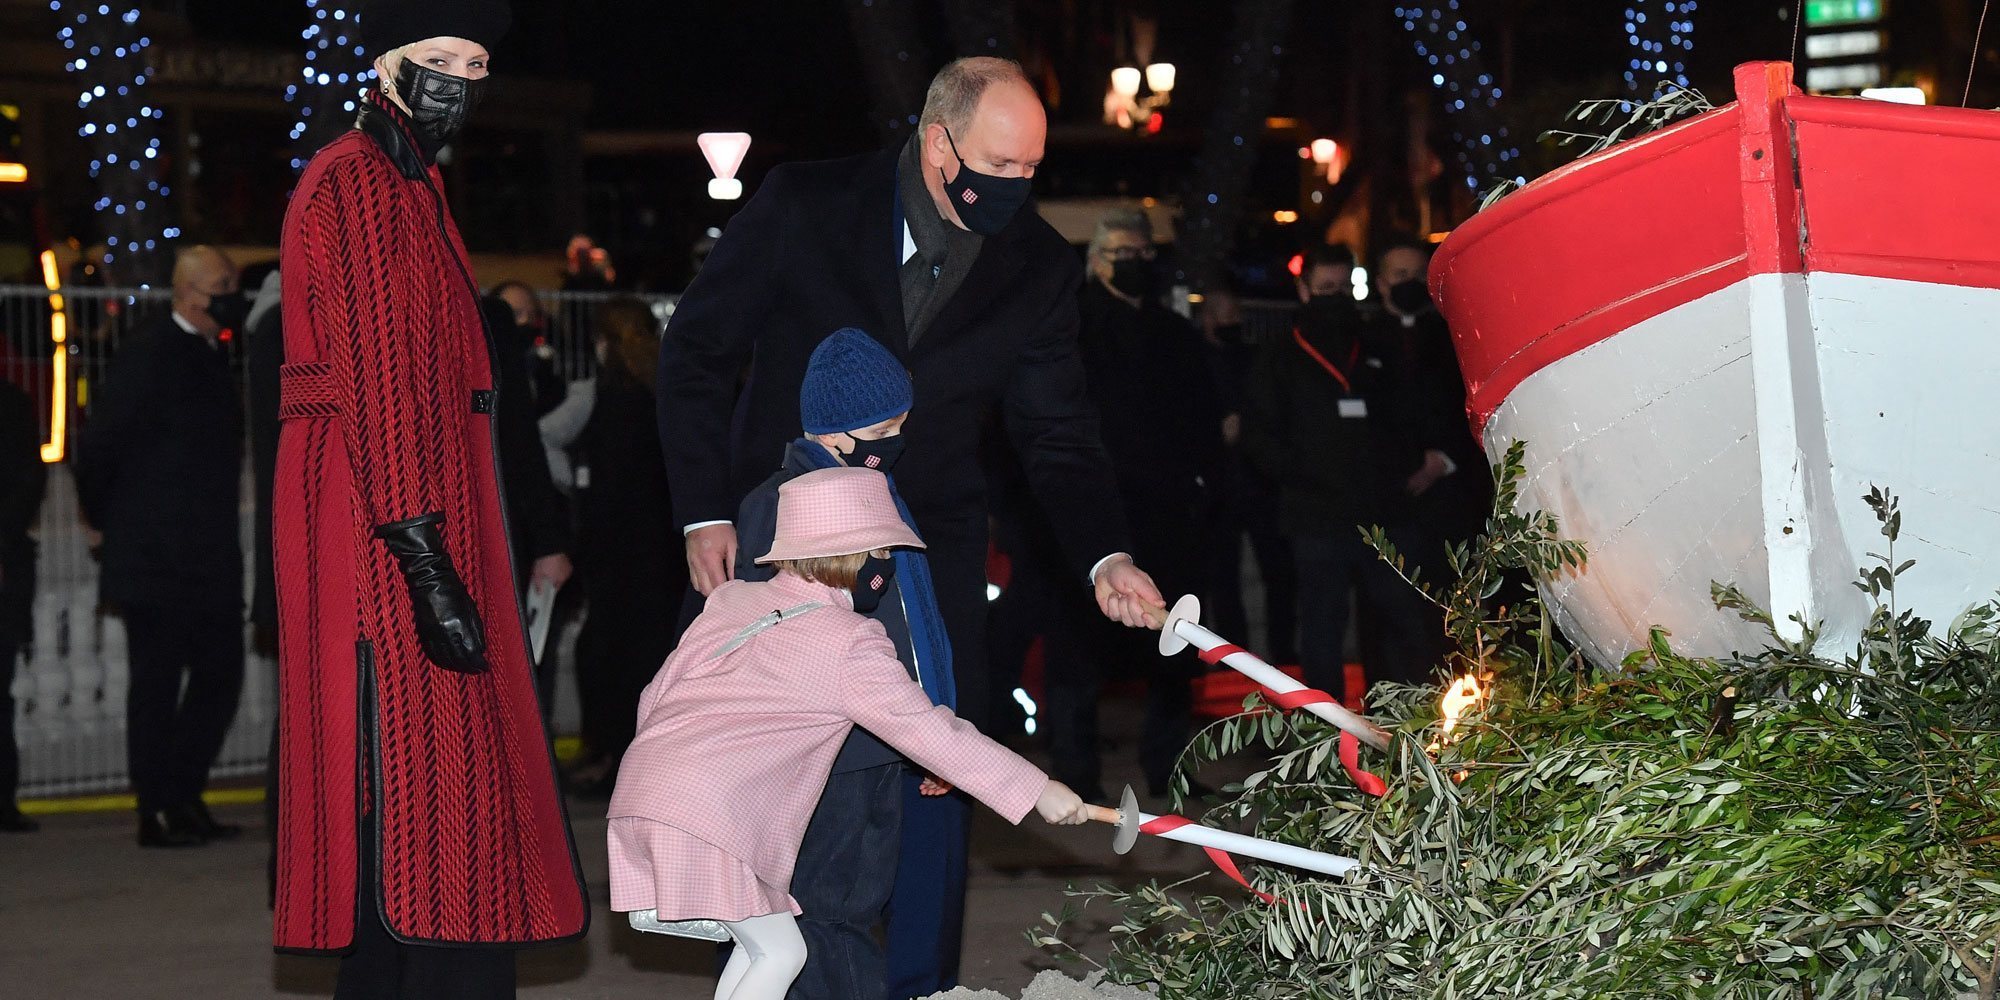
[(85, 913)]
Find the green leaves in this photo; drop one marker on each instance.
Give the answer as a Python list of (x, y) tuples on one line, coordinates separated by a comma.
[(1776, 825)]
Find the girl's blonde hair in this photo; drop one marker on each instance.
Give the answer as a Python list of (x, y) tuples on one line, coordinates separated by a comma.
[(838, 572)]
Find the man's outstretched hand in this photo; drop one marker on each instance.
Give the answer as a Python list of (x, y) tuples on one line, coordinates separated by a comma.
[(711, 556), (1125, 593)]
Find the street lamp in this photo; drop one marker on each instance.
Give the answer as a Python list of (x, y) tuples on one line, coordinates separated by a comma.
[(1125, 108), (1326, 155), (1125, 82), (725, 152)]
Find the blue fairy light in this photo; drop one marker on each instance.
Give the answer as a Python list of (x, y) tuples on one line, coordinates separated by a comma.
[(336, 69), (119, 122)]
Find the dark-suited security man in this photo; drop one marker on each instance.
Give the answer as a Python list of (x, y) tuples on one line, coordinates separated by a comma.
[(159, 472), (930, 247)]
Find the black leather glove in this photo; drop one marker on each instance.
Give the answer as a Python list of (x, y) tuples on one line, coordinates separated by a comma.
[(447, 623)]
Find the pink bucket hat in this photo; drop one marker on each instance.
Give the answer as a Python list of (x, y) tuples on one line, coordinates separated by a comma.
[(837, 512)]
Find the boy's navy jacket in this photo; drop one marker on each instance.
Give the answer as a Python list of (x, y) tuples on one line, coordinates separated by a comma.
[(756, 526)]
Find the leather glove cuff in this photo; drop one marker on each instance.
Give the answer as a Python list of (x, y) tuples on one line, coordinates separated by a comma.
[(447, 623)]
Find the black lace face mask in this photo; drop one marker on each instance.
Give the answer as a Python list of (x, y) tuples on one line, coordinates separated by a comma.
[(440, 104)]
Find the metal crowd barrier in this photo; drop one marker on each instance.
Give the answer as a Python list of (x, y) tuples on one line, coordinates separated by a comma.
[(69, 686), (70, 683)]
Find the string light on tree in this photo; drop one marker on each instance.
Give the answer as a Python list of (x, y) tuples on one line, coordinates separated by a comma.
[(337, 72), (1484, 148), (106, 54), (1661, 34)]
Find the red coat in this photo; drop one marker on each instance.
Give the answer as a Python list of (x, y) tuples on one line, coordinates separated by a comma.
[(387, 406)]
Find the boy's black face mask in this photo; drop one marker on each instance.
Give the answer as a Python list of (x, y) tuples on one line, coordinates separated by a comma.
[(880, 454), (872, 582)]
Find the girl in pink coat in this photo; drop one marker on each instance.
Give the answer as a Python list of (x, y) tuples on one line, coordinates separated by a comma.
[(738, 731)]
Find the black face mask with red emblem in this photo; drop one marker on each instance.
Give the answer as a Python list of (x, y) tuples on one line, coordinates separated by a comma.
[(985, 203), (872, 582), (880, 454)]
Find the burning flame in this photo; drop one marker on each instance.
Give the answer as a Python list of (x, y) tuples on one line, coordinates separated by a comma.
[(1464, 694)]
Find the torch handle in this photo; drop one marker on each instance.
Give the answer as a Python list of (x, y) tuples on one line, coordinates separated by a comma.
[(1262, 850), (1105, 815)]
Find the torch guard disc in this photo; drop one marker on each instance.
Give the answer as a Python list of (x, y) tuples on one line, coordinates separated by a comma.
[(1187, 609), (1128, 822)]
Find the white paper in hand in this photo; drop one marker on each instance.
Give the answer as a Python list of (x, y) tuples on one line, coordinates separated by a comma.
[(540, 611)]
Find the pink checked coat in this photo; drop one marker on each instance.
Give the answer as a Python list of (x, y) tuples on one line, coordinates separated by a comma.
[(735, 751)]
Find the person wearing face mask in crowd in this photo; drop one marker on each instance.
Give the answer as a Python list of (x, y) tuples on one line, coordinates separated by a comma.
[(1163, 432), (1247, 504), (933, 248), (538, 515), (420, 834), (158, 476), (878, 824), (1450, 490), (1326, 418), (539, 348), (625, 538)]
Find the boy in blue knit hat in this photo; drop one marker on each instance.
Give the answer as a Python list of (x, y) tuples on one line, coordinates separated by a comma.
[(879, 826)]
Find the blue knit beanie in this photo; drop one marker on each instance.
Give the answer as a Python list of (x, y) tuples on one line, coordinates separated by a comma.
[(851, 382)]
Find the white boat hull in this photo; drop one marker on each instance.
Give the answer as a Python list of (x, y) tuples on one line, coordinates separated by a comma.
[(1731, 440)]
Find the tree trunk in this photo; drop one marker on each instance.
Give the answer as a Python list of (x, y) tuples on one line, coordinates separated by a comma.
[(1215, 200), (889, 35)]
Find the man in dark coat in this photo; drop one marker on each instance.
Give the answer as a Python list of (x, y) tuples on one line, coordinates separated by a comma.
[(625, 521), (1451, 491), (1163, 431), (264, 359), (1328, 419), (22, 478), (930, 248), (537, 514), (158, 473)]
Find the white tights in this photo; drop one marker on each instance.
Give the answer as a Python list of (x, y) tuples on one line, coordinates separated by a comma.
[(769, 954)]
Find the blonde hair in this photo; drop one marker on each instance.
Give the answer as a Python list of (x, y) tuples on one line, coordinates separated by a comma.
[(390, 60), (838, 572)]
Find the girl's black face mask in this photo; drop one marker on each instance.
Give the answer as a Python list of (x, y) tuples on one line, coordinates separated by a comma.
[(985, 203), (440, 104), (872, 582)]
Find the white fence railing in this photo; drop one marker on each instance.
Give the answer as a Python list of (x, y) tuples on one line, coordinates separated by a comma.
[(69, 687)]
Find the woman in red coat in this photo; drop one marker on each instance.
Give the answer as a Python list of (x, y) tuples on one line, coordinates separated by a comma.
[(421, 832)]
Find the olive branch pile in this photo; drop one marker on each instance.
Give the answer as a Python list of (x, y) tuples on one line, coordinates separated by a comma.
[(1775, 825)]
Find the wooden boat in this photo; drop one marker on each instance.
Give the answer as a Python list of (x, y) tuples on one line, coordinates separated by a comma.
[(1716, 338)]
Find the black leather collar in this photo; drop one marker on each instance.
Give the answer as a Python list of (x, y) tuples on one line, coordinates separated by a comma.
[(386, 124)]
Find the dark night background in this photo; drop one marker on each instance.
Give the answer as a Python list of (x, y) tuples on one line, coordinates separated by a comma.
[(793, 67), (597, 103)]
